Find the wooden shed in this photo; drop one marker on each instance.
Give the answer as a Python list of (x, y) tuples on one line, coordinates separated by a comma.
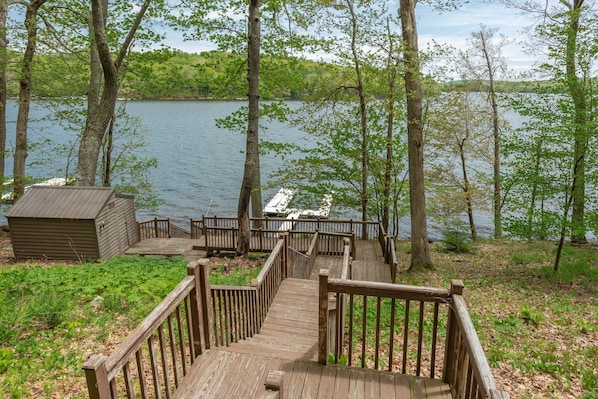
[(80, 223)]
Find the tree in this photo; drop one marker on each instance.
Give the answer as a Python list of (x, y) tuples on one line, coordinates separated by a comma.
[(3, 65), (25, 82), (103, 90), (420, 250), (354, 111), (457, 143), (483, 61), (251, 147)]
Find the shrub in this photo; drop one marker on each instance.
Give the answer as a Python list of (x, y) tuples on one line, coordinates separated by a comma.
[(456, 241)]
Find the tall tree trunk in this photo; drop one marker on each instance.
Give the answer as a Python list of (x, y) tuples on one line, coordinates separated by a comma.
[(251, 145), (363, 116), (392, 69), (21, 141), (497, 194), (257, 207), (101, 100), (578, 95), (467, 190), (420, 250), (3, 65)]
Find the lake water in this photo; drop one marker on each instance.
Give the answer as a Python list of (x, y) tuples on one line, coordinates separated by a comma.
[(200, 166)]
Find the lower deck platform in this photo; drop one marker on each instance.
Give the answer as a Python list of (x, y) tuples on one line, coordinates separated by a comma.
[(287, 342)]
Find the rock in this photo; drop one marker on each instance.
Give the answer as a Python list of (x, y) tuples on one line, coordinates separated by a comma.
[(97, 302)]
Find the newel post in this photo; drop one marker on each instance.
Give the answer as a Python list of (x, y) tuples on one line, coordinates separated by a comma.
[(451, 335), (96, 376), (193, 269), (206, 300), (323, 318)]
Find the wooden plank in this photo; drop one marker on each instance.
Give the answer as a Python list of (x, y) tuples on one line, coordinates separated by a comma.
[(372, 386), (402, 386), (388, 386), (298, 377), (418, 387), (327, 382), (357, 384), (341, 384), (436, 389), (312, 381)]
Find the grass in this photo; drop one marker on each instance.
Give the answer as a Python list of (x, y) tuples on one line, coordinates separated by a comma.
[(53, 318), (539, 329)]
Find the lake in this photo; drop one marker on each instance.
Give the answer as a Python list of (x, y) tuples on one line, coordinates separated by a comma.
[(200, 166)]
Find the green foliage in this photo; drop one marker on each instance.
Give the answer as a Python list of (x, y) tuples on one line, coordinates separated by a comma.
[(233, 275), (531, 316), (456, 241), (46, 312)]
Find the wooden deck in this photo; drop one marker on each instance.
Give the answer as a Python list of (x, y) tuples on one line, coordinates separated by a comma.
[(288, 342), (368, 264), (185, 247)]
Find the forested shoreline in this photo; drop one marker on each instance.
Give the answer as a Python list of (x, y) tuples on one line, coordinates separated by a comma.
[(176, 75)]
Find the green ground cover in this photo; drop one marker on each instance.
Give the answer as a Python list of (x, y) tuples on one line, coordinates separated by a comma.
[(539, 329)]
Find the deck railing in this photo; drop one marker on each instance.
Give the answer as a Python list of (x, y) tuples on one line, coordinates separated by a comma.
[(158, 354), (238, 312), (371, 230), (160, 228), (413, 316)]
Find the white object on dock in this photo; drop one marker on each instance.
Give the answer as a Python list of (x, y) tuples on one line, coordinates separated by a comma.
[(55, 181), (278, 205)]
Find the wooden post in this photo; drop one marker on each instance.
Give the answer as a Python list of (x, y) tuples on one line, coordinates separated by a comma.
[(274, 382), (96, 376), (497, 394), (448, 370), (196, 313), (168, 228), (206, 300), (323, 318), (285, 255)]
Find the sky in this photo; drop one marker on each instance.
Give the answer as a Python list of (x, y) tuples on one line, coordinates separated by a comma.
[(453, 28)]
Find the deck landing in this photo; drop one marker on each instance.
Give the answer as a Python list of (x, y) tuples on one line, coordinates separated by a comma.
[(288, 342)]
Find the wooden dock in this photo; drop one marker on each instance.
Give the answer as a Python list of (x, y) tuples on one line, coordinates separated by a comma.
[(287, 342)]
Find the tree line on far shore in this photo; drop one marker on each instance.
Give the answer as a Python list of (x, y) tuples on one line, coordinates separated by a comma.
[(171, 74)]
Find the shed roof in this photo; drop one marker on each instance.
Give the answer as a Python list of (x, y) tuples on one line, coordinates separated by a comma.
[(64, 202)]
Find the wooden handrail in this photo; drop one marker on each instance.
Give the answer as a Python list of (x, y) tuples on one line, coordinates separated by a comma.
[(177, 337), (389, 290), (466, 368), (137, 338)]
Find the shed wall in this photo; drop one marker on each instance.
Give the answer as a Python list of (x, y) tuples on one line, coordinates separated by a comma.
[(53, 239), (127, 222), (107, 231)]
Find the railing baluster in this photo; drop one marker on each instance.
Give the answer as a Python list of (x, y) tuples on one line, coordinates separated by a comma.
[(434, 339), (364, 318), (377, 351), (181, 339), (420, 338), (128, 381), (164, 358), (173, 351), (141, 371), (351, 321), (154, 364), (190, 330), (391, 339), (405, 337)]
